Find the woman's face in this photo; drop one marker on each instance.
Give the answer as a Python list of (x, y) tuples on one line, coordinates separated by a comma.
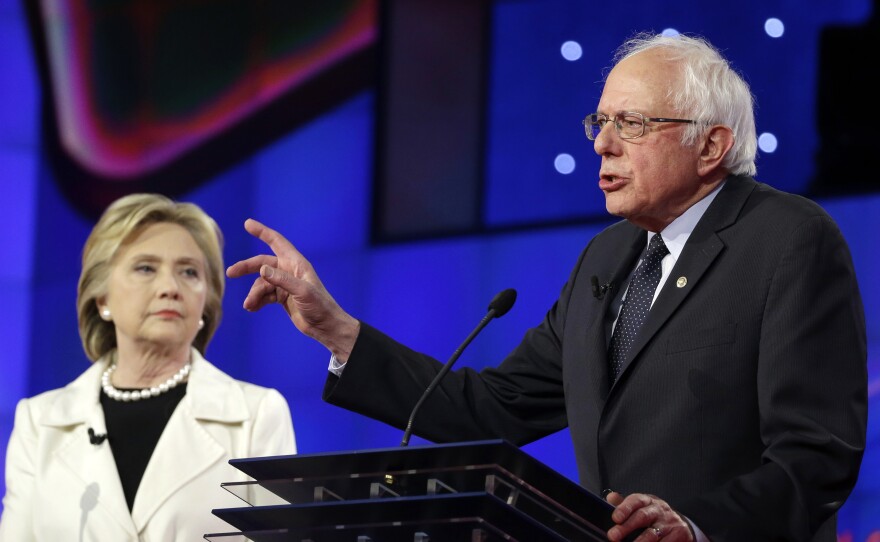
[(157, 288)]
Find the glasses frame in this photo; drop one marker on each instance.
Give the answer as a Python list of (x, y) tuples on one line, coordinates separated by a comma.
[(588, 124)]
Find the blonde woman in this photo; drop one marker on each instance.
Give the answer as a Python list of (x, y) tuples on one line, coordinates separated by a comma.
[(137, 446)]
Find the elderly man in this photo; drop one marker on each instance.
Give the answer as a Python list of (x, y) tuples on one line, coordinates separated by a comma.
[(719, 386)]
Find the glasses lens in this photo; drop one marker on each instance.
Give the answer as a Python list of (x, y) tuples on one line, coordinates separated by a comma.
[(593, 125), (630, 125)]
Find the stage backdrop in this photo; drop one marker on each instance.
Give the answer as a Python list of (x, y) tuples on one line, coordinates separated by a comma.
[(320, 131)]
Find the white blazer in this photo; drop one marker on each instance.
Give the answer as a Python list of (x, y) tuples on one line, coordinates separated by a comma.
[(59, 486)]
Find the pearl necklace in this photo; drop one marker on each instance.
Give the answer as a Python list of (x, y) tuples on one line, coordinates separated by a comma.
[(137, 395)]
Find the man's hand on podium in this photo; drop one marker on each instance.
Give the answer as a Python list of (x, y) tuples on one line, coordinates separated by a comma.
[(654, 515)]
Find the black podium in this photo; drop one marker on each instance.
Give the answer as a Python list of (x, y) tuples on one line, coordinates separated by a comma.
[(473, 491)]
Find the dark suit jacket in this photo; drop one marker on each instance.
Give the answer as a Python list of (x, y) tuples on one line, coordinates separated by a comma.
[(743, 403)]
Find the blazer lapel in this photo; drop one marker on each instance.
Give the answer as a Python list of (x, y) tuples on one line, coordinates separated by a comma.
[(635, 242), (702, 248), (186, 449), (77, 409)]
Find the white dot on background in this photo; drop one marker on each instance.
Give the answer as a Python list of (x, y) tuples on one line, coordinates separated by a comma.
[(767, 142), (571, 50), (670, 32), (774, 27), (564, 163)]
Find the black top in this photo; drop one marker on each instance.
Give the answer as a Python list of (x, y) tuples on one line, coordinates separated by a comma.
[(133, 429)]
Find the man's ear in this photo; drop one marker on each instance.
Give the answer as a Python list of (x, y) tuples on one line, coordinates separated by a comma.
[(716, 144)]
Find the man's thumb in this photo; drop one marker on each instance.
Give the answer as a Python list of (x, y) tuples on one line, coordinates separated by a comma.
[(273, 276)]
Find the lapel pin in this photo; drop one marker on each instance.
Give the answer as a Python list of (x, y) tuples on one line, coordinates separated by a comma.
[(681, 282)]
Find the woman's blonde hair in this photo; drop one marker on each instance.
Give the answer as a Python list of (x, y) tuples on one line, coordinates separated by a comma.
[(121, 222)]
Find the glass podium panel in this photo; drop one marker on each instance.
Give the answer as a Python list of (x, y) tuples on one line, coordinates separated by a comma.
[(475, 491)]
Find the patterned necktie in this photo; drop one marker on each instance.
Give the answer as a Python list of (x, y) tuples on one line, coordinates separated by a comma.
[(637, 304)]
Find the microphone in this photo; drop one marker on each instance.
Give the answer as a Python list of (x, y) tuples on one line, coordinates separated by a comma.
[(599, 291), (95, 438), (498, 307)]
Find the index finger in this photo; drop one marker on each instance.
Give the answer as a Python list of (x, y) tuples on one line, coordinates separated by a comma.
[(277, 242), (250, 265)]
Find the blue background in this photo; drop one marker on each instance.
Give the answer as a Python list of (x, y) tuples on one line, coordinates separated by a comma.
[(315, 186)]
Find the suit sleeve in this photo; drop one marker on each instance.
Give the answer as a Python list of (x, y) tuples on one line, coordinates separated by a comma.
[(812, 391), (521, 400), (16, 521)]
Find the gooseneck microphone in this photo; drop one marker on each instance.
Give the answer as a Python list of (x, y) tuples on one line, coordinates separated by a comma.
[(498, 307)]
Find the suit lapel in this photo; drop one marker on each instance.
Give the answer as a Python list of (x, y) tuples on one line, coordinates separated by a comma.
[(635, 241), (184, 451), (638, 240), (77, 409), (186, 448), (702, 248)]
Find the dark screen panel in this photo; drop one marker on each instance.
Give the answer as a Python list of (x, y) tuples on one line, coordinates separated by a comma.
[(430, 124)]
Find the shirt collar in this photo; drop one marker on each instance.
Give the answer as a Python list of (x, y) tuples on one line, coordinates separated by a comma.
[(676, 234)]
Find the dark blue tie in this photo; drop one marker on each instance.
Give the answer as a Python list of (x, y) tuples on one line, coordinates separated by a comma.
[(637, 304)]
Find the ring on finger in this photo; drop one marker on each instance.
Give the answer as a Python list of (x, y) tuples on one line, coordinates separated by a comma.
[(658, 532)]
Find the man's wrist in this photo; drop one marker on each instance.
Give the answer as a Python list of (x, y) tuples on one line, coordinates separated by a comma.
[(344, 338)]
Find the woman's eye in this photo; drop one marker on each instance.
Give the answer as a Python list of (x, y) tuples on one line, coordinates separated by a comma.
[(191, 272), (144, 268)]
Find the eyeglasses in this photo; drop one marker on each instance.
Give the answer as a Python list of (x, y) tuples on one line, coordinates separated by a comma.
[(629, 124)]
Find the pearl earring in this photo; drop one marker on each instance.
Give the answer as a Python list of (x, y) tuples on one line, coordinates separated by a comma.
[(201, 323), (105, 314)]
